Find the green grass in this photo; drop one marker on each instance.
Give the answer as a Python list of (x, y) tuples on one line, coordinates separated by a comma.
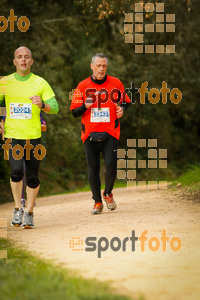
[(86, 188), (23, 276), (190, 178)]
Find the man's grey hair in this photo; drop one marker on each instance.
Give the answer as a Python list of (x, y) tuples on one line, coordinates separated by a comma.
[(100, 55)]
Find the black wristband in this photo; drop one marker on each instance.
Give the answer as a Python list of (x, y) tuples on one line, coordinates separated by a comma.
[(43, 104)]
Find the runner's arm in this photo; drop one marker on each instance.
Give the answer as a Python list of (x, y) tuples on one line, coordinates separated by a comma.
[(2, 128), (125, 101), (2, 121), (79, 111), (51, 106), (125, 105)]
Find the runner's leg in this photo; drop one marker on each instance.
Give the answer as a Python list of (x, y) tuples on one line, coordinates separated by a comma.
[(23, 203), (32, 180), (92, 151), (16, 188), (110, 157), (16, 181), (31, 196)]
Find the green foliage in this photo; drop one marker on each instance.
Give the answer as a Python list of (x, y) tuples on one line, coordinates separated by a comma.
[(24, 276), (191, 177)]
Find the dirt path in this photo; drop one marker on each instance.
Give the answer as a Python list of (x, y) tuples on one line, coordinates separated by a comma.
[(157, 275)]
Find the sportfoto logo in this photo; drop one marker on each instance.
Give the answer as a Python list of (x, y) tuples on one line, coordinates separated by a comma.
[(128, 243), (154, 95), (23, 22), (18, 151), (128, 163), (135, 23)]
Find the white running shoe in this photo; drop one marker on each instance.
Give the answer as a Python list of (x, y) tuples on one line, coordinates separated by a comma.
[(17, 218), (28, 220)]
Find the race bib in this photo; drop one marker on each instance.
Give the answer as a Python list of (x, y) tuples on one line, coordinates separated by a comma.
[(100, 115), (21, 111)]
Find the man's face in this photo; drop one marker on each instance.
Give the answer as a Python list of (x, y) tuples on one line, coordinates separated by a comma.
[(23, 61), (99, 68)]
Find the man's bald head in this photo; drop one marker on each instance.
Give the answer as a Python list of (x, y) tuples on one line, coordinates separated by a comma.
[(22, 48), (23, 60)]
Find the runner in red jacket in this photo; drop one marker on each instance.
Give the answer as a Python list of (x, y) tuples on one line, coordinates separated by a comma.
[(101, 101)]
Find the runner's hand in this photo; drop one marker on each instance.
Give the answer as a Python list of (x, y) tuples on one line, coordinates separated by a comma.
[(119, 111), (89, 102), (2, 129), (36, 100)]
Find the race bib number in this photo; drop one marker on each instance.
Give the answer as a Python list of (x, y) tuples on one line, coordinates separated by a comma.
[(20, 111), (100, 115)]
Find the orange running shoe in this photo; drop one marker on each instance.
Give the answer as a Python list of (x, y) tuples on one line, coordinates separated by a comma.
[(97, 209), (110, 202)]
